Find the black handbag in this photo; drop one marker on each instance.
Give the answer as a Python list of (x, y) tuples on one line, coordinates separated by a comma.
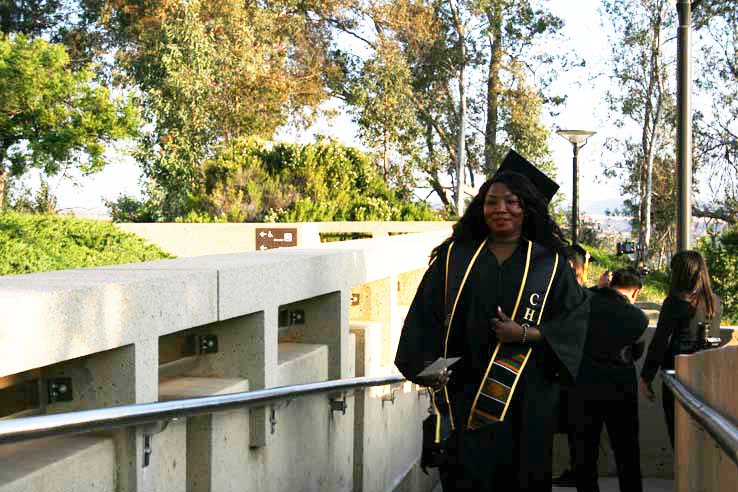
[(435, 441)]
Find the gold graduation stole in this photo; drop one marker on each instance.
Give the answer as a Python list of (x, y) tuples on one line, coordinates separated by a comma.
[(509, 359), (449, 317)]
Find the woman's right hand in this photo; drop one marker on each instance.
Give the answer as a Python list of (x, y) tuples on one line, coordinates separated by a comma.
[(647, 391), (436, 382)]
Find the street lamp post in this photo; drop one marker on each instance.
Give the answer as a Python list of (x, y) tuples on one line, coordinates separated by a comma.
[(578, 139), (684, 126)]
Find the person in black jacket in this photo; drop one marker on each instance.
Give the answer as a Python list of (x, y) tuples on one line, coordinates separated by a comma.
[(606, 391), (689, 303)]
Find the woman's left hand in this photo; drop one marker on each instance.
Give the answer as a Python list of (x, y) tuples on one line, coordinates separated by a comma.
[(507, 330)]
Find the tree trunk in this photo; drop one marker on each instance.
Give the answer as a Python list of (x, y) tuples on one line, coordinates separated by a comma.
[(647, 207), (439, 190), (461, 133), (4, 173), (493, 89), (651, 124), (460, 151), (435, 183), (3, 177), (385, 165)]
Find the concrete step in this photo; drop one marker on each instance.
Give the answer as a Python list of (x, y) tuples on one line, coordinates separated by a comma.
[(192, 387), (610, 484), (59, 464), (301, 363)]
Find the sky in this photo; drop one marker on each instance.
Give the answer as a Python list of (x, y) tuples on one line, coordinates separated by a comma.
[(584, 110)]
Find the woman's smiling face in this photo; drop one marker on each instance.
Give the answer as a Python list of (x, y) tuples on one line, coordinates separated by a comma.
[(503, 212)]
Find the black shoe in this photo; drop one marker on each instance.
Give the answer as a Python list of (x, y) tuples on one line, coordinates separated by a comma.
[(566, 479)]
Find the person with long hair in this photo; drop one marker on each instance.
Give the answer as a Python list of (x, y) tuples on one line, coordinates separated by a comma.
[(499, 294), (689, 304)]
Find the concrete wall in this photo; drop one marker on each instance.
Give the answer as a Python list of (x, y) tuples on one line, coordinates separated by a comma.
[(188, 240), (701, 463), (123, 334)]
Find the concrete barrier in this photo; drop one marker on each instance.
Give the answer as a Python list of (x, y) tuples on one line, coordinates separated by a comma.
[(188, 240), (701, 463), (145, 332)]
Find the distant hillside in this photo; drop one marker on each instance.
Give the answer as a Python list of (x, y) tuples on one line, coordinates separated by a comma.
[(43, 242), (620, 225)]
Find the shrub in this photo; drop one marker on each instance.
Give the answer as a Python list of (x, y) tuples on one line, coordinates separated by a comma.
[(721, 256), (42, 242), (249, 180)]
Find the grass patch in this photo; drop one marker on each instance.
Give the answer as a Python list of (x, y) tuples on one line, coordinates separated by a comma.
[(44, 242)]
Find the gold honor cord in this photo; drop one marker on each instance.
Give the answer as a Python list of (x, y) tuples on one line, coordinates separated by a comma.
[(548, 289), (445, 392), (453, 311), (525, 279), (445, 280), (497, 348), (527, 355)]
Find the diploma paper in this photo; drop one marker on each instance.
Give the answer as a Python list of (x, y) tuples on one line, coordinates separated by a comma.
[(439, 365)]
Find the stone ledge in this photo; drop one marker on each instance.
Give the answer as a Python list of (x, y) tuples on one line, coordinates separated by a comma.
[(191, 387), (59, 464), (301, 363)]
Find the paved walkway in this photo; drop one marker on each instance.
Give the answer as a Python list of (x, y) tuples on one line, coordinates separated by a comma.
[(610, 484)]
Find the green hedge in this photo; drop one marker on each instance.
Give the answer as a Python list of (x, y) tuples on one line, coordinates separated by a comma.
[(721, 256), (249, 180), (43, 242)]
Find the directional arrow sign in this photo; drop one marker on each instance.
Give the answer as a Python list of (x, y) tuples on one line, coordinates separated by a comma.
[(275, 237)]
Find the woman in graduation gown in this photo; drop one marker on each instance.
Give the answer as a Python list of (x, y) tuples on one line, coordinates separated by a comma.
[(500, 294)]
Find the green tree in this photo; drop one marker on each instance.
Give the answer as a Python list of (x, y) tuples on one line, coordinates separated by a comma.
[(721, 256), (30, 17), (716, 80), (52, 117), (212, 72), (643, 98), (512, 103), (443, 47)]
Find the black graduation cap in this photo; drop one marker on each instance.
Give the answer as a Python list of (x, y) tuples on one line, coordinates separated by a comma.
[(514, 162)]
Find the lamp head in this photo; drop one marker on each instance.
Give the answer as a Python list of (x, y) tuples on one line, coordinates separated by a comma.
[(576, 136)]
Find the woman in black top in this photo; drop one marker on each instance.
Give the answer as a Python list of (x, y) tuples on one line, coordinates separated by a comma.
[(689, 303)]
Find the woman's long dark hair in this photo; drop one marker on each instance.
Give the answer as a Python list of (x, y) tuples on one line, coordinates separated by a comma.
[(538, 226), (690, 278)]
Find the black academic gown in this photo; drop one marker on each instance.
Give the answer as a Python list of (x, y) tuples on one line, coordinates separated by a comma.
[(514, 454)]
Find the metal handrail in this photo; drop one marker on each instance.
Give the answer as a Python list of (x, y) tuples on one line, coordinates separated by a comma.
[(722, 430), (21, 429)]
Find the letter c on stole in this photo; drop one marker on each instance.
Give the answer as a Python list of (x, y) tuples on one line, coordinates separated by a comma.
[(534, 299)]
